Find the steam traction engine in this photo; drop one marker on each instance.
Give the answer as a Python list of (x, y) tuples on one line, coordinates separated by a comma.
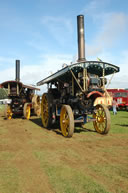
[(74, 92), (22, 98)]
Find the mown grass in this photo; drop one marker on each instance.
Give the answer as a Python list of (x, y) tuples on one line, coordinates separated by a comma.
[(104, 174), (67, 179), (9, 180), (2, 107), (86, 163)]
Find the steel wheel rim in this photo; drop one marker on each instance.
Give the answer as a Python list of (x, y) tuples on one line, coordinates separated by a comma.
[(101, 121), (44, 111), (64, 120), (28, 112)]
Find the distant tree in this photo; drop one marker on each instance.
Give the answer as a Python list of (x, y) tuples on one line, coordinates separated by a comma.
[(3, 93)]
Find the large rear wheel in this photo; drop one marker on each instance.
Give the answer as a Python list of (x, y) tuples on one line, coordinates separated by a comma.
[(46, 110), (27, 111), (67, 121), (103, 120), (8, 112)]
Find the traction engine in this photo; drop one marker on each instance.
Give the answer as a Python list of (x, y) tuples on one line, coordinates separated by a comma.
[(22, 98), (77, 91)]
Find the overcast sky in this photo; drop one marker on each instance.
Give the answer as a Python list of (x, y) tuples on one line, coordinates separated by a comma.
[(43, 35)]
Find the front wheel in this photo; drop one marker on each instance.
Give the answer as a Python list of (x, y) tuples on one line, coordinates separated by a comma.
[(102, 119), (67, 121), (8, 112), (27, 111)]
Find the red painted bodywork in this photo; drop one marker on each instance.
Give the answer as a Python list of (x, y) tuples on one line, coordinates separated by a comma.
[(121, 96)]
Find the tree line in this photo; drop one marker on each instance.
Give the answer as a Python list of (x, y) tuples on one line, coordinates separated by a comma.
[(3, 93)]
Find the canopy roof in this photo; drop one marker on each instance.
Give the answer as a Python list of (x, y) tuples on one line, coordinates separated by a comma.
[(14, 83), (93, 67)]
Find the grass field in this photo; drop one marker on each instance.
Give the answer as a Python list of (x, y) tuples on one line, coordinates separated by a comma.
[(36, 160)]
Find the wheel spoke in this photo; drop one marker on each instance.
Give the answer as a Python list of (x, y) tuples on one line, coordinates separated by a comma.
[(46, 115), (28, 112), (8, 113)]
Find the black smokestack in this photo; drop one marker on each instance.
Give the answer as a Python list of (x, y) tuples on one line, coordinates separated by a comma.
[(18, 70), (81, 40)]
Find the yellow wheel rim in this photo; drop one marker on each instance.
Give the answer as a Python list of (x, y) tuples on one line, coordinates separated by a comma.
[(100, 123), (64, 121), (44, 111), (9, 113), (28, 112)]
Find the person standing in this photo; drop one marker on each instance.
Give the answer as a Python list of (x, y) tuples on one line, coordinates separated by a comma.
[(114, 105)]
